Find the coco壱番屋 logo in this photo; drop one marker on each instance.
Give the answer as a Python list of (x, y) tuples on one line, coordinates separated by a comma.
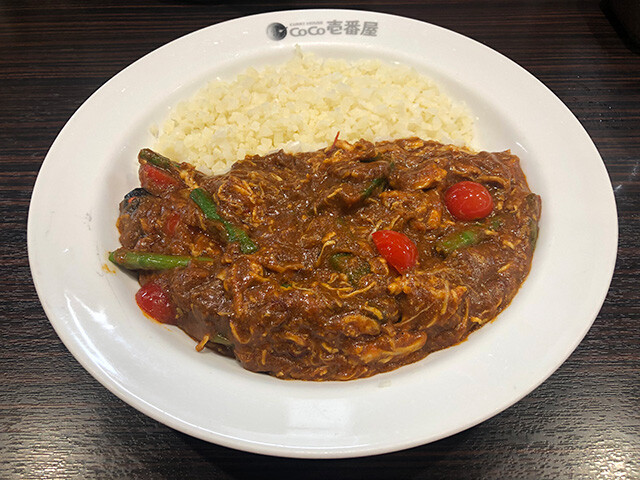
[(278, 31)]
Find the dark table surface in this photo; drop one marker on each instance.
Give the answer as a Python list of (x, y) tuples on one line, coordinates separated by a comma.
[(56, 421)]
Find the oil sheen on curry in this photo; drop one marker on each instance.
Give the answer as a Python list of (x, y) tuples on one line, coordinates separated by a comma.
[(331, 265)]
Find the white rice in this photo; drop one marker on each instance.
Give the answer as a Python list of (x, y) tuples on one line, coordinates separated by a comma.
[(302, 104)]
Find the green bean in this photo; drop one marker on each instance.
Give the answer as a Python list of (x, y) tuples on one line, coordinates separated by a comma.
[(206, 204), (157, 160), (375, 184), (151, 261), (210, 210), (353, 267), (533, 232), (465, 238), (222, 340)]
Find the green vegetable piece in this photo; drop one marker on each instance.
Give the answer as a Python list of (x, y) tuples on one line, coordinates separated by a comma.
[(157, 160), (533, 232), (491, 223), (496, 223), (376, 184), (353, 267), (456, 240), (234, 234), (151, 261), (206, 204), (222, 340), (358, 272), (339, 261), (533, 201)]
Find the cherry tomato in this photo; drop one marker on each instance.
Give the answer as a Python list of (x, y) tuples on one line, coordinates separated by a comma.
[(171, 223), (155, 302), (396, 248), (468, 201), (155, 180)]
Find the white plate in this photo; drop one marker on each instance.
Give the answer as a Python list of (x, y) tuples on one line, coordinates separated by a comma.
[(156, 369)]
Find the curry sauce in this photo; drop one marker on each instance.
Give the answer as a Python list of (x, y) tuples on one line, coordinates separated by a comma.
[(273, 262)]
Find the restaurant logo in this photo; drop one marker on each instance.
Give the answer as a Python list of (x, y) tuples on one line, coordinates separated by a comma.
[(276, 31)]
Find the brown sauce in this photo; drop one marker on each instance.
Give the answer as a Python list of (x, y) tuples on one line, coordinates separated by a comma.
[(316, 300)]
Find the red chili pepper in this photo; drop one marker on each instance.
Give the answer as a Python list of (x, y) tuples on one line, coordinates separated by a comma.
[(155, 180), (156, 302), (335, 140), (468, 200), (396, 248)]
